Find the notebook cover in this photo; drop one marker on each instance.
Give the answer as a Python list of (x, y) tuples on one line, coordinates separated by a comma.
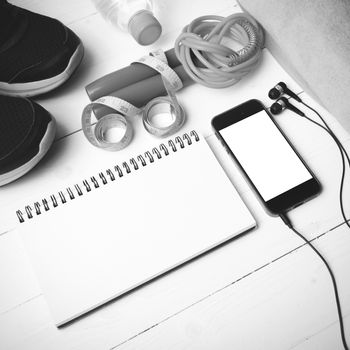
[(129, 230)]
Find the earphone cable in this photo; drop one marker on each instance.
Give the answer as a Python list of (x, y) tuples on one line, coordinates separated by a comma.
[(343, 154), (286, 220), (330, 130)]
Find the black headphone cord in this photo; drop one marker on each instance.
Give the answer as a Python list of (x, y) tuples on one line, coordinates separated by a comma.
[(343, 154), (286, 220)]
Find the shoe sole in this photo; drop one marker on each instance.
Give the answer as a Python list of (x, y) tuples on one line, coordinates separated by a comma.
[(44, 146), (46, 85)]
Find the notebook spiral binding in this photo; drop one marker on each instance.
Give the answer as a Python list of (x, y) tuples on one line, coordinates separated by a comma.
[(103, 178)]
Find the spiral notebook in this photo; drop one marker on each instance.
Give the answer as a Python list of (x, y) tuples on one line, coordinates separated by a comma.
[(98, 239)]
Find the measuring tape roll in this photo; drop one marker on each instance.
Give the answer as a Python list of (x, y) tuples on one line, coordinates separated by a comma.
[(159, 105), (163, 105), (99, 135)]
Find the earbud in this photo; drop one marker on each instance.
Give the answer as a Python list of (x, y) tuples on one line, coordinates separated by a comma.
[(280, 89), (281, 104)]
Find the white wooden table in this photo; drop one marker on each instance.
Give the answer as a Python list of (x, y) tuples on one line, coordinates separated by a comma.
[(266, 290)]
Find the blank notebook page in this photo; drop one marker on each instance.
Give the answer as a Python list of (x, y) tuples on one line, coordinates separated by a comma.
[(118, 236)]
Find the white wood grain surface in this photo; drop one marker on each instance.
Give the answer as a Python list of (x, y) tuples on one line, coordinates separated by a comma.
[(266, 290)]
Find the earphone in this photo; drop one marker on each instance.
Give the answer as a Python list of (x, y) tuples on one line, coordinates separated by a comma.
[(281, 88), (282, 103)]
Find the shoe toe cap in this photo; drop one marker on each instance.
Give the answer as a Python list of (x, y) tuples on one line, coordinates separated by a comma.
[(24, 125), (38, 48), (50, 65)]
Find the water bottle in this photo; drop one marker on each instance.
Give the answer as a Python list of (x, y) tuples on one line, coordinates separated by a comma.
[(134, 16)]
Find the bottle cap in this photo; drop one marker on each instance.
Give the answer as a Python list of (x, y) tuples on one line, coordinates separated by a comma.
[(144, 27)]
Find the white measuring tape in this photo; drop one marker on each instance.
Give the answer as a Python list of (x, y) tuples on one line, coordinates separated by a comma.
[(169, 105), (98, 135)]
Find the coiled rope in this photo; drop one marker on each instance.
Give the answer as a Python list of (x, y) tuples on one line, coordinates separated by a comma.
[(202, 49)]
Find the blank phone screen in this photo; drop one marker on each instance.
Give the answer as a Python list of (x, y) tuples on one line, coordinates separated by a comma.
[(265, 155)]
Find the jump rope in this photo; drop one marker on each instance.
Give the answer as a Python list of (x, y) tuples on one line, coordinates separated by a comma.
[(201, 56)]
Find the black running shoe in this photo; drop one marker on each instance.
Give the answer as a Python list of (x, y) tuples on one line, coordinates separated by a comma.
[(27, 131), (37, 53)]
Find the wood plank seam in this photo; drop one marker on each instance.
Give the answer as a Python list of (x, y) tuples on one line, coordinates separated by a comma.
[(225, 287)]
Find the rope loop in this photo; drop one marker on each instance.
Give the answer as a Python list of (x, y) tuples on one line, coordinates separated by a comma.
[(203, 51)]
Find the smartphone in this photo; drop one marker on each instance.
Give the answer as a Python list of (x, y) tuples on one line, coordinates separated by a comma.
[(272, 166)]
